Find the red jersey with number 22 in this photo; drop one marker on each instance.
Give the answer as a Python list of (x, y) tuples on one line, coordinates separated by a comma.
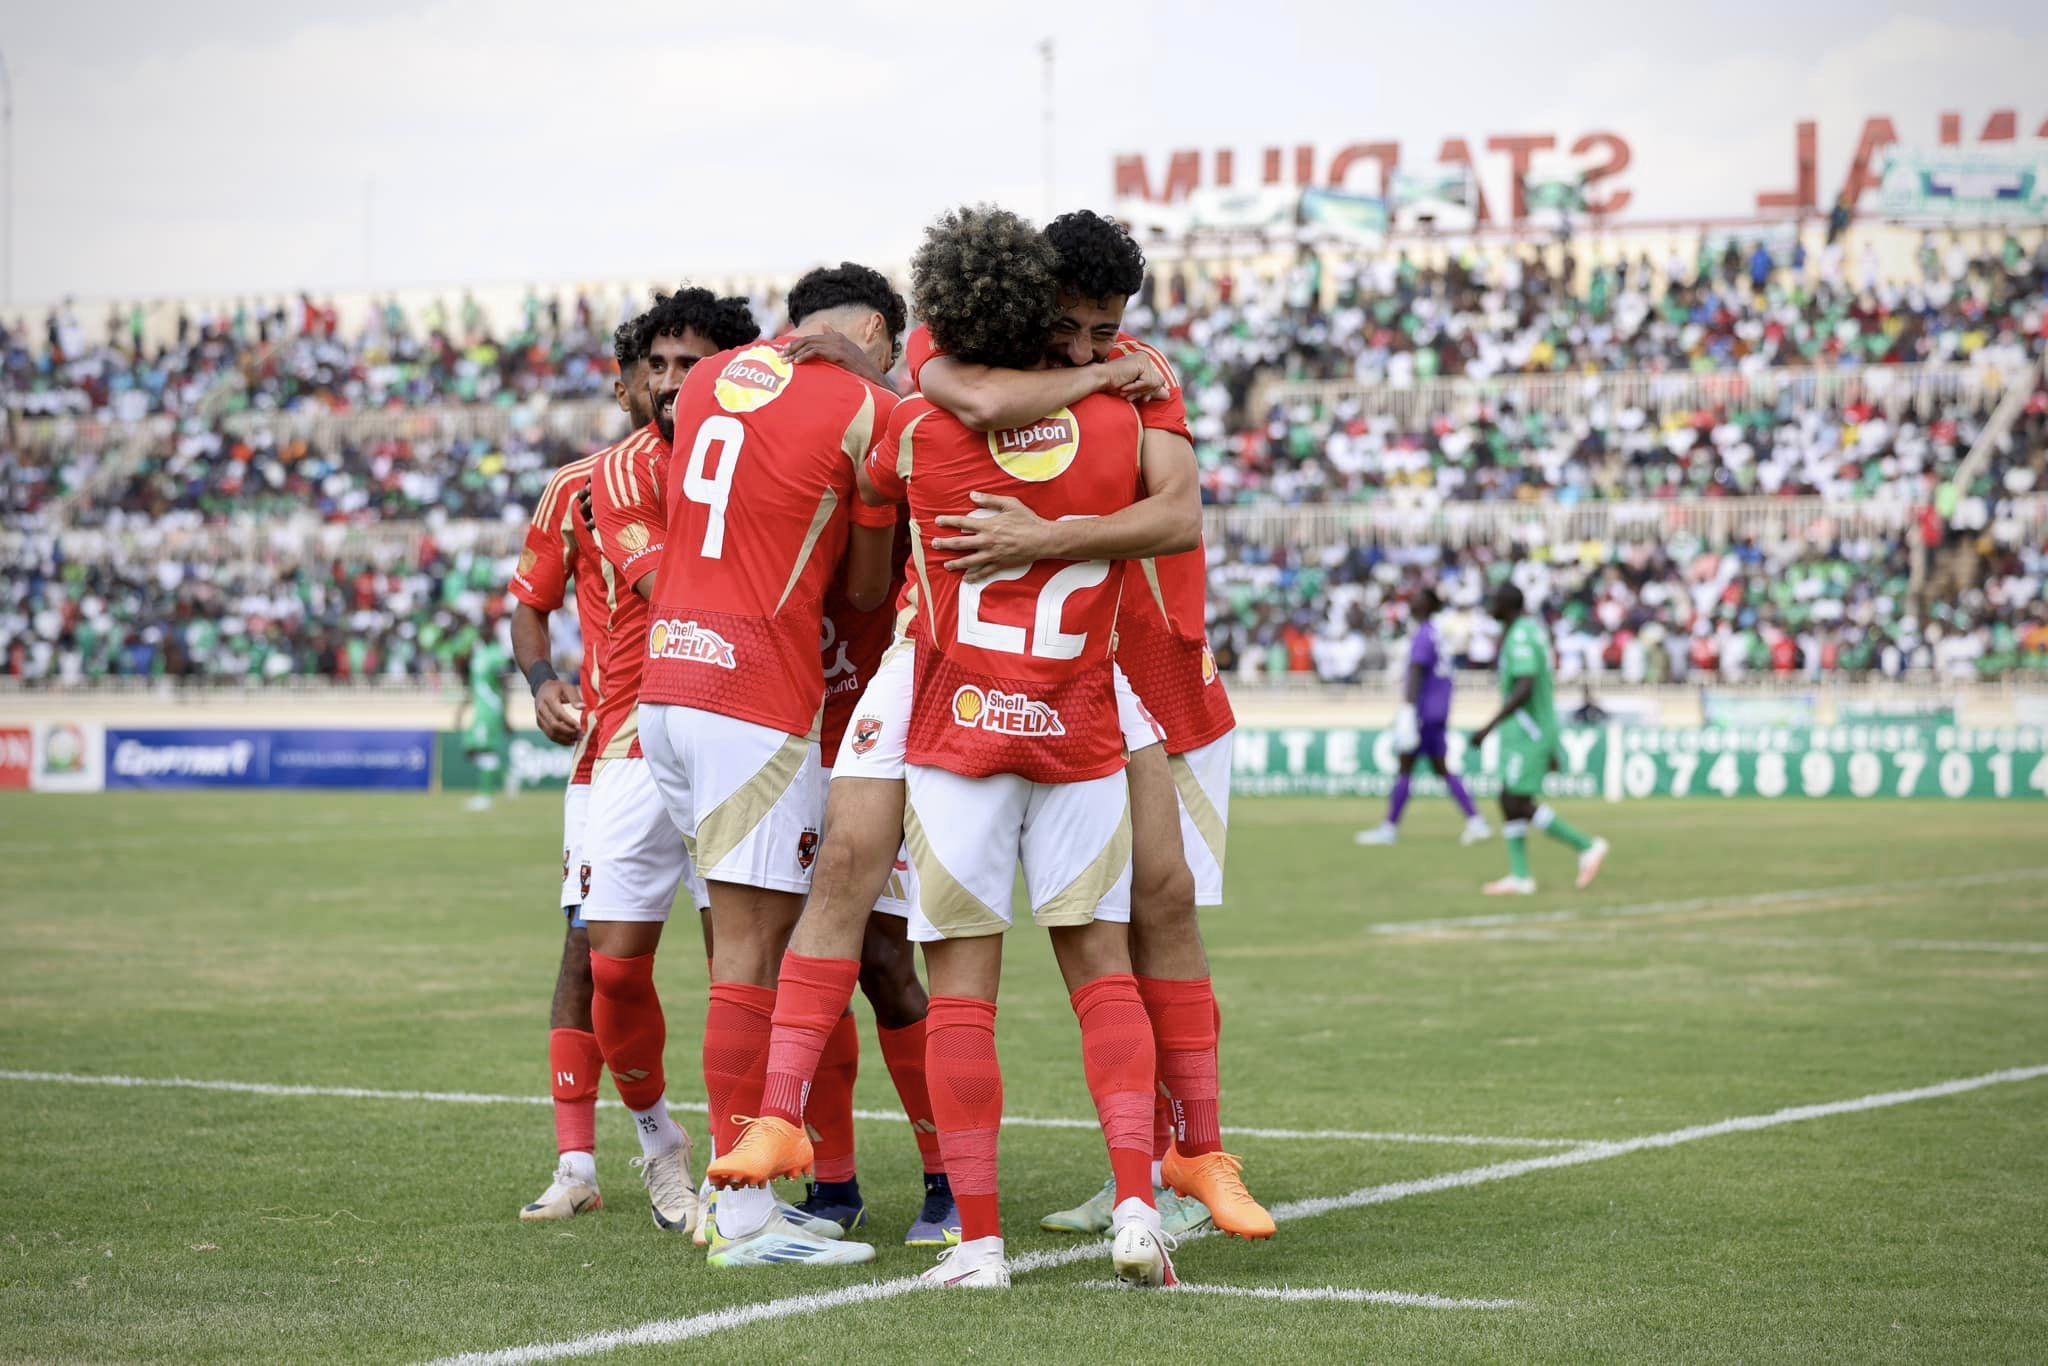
[(1162, 633), (1014, 674), (758, 490)]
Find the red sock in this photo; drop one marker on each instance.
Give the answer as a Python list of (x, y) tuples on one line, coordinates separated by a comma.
[(735, 1049), (830, 1112), (1117, 1049), (575, 1064), (967, 1103), (625, 1011), (1185, 1021), (903, 1051), (810, 1000)]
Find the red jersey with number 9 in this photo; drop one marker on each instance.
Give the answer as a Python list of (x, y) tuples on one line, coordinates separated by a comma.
[(1014, 674), (758, 488)]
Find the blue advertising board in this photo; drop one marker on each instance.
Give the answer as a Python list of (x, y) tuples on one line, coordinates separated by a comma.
[(387, 759)]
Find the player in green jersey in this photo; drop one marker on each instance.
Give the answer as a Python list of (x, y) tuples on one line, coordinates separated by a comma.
[(485, 736), (1527, 722)]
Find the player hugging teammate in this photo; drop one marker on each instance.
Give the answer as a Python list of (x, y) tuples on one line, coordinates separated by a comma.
[(1048, 704)]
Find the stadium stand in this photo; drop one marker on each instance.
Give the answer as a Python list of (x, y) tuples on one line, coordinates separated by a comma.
[(1726, 467)]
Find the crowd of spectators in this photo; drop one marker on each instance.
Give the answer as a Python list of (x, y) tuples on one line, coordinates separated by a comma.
[(1645, 612)]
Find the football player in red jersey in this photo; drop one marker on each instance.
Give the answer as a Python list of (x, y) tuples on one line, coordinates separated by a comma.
[(636, 858), (1020, 707), (1181, 742), (757, 496), (557, 550)]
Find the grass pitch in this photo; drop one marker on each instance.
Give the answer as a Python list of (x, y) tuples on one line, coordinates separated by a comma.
[(1736, 959)]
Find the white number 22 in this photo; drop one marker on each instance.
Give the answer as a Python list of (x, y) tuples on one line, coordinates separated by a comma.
[(1045, 639)]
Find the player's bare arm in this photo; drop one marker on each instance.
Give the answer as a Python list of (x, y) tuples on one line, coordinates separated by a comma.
[(556, 706), (1166, 521), (987, 398), (835, 348), (1518, 698), (868, 571)]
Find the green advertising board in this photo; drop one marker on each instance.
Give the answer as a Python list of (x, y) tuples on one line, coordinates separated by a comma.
[(533, 762), (1300, 761), (1899, 758), (1903, 758)]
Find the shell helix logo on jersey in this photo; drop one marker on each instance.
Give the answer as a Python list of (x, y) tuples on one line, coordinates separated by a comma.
[(1005, 713), (1039, 452), (752, 380), (1208, 665), (690, 643)]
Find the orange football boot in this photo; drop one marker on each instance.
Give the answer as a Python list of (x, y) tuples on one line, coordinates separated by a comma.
[(768, 1149), (1213, 1179)]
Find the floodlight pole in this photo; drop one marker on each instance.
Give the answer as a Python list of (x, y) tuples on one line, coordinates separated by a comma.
[(1045, 51), (6, 185)]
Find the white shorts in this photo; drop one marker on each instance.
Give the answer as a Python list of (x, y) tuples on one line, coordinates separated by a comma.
[(1202, 778), (636, 855), (1140, 730), (967, 837), (879, 728), (749, 799), (575, 862), (895, 898)]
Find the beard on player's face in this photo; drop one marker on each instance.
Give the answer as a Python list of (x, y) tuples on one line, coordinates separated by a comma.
[(1086, 330)]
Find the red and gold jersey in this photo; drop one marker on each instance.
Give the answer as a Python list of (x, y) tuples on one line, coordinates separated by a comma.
[(764, 471), (626, 503), (557, 550), (1162, 632), (1013, 674), (853, 645)]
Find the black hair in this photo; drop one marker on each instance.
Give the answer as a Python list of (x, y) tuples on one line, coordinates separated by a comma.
[(629, 345), (1098, 259), (1509, 597), (849, 285), (1427, 603), (986, 284), (725, 323)]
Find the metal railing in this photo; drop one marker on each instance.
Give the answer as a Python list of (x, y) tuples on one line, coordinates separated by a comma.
[(1708, 521), (1890, 387)]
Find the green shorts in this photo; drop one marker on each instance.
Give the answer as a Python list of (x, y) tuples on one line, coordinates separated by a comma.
[(1524, 761)]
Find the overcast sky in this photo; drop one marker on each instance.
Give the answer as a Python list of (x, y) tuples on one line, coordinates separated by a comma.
[(252, 145)]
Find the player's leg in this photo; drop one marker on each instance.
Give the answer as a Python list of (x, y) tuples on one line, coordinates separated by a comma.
[(964, 841), (864, 817), (637, 860), (888, 978), (1185, 1016), (755, 794), (1516, 807), (1389, 830), (967, 1102), (1436, 749), (1591, 849), (575, 1062), (1077, 846)]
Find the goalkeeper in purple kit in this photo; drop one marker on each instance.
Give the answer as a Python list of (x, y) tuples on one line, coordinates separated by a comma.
[(1422, 728)]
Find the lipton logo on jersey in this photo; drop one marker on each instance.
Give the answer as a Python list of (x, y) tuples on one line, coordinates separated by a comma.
[(752, 380), (866, 730), (1039, 452), (1005, 713), (689, 642)]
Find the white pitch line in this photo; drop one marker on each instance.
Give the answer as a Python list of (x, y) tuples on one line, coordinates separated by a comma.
[(1299, 1294), (663, 1332), (1818, 941), (1706, 903), (263, 1088)]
